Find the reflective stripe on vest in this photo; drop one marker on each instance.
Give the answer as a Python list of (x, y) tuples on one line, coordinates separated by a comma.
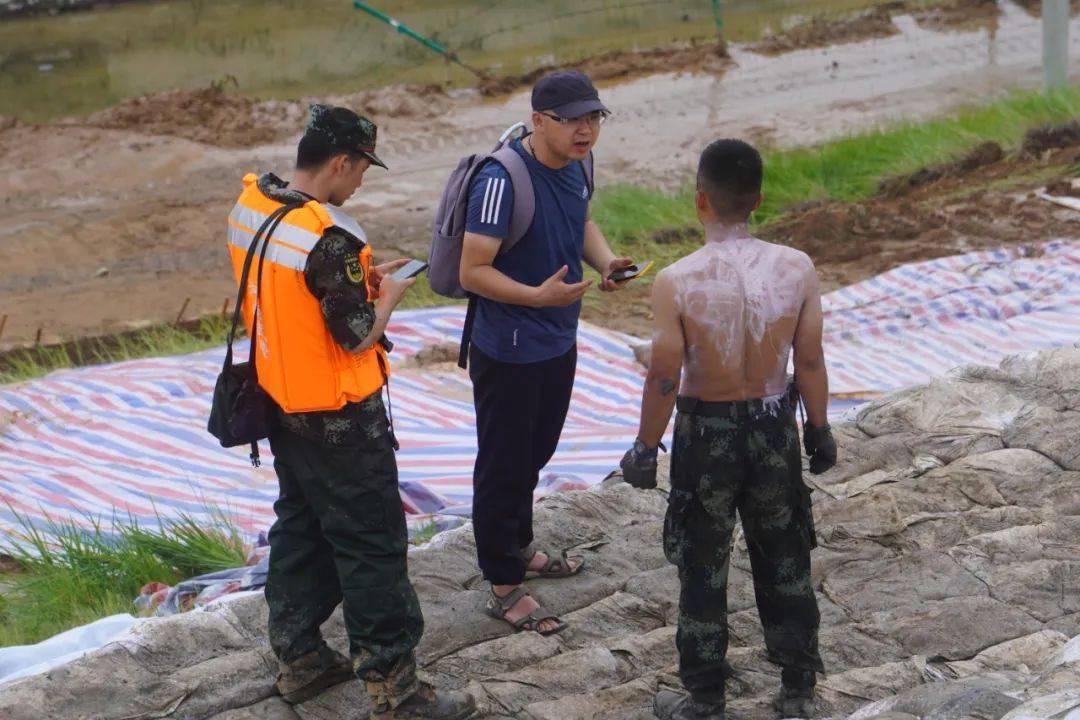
[(298, 361)]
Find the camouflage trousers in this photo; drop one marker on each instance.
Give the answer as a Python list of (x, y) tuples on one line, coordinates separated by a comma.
[(740, 456), (340, 537)]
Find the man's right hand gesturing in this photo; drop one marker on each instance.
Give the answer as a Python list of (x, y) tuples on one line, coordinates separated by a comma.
[(556, 293)]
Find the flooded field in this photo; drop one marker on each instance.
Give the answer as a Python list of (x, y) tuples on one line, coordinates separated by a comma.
[(76, 63)]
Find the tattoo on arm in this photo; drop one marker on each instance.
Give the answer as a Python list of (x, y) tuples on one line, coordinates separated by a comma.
[(667, 386)]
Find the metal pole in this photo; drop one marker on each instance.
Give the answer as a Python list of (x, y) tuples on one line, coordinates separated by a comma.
[(718, 16), (410, 33), (1055, 26)]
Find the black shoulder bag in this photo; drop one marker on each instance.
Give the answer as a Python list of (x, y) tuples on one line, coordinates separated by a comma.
[(241, 411)]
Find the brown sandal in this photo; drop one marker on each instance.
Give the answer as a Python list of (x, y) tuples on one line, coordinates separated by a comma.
[(497, 607), (556, 567)]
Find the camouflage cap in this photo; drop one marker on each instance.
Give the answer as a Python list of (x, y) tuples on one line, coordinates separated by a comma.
[(345, 130)]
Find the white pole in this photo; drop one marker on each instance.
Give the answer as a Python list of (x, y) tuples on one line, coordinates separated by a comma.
[(1055, 23)]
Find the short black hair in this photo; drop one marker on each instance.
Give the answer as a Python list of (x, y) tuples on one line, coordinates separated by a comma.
[(314, 151), (729, 173)]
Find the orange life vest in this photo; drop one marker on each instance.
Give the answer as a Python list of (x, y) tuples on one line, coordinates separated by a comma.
[(298, 361)]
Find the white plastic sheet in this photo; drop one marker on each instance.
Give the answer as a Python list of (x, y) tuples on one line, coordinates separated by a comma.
[(22, 660)]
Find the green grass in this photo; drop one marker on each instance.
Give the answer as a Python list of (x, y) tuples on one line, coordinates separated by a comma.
[(630, 216), (420, 295), (424, 533), (157, 341), (72, 574), (846, 169), (850, 169)]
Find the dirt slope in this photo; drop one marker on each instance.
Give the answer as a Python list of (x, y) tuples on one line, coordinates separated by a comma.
[(111, 223)]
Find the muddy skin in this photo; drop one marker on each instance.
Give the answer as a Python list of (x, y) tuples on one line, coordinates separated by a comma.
[(739, 299)]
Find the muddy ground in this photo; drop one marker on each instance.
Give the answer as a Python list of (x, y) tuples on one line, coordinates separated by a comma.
[(990, 207), (822, 32), (879, 22), (117, 219), (984, 200)]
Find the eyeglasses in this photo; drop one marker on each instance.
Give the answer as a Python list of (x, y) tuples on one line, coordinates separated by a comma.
[(593, 119)]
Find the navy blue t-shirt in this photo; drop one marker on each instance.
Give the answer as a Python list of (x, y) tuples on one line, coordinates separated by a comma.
[(514, 333)]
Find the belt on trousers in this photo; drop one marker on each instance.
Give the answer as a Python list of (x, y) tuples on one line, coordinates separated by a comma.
[(731, 408)]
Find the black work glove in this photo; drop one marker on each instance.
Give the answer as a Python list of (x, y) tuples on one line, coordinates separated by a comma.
[(639, 466), (820, 447)]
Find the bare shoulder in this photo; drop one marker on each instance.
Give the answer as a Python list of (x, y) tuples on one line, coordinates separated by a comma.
[(792, 263), (665, 280), (790, 256), (684, 266)]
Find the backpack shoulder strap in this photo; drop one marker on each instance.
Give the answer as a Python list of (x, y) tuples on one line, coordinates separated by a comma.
[(521, 216), (589, 165), (262, 236)]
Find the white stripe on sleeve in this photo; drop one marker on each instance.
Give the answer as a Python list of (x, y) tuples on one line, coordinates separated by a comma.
[(498, 200), (496, 192), (487, 196), (491, 201)]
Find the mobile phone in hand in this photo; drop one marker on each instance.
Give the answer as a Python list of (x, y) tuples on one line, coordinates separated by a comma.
[(409, 270), (629, 273)]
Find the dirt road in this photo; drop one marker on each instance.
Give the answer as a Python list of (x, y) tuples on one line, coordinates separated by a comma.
[(110, 228)]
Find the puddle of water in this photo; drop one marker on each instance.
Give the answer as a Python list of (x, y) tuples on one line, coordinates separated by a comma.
[(76, 63)]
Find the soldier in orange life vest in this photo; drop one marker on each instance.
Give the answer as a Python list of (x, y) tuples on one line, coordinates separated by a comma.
[(321, 354)]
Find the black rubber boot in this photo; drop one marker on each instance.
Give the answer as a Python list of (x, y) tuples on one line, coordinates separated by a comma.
[(796, 696), (671, 705)]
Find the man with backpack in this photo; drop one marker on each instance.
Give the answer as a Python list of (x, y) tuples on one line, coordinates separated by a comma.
[(321, 355), (527, 294)]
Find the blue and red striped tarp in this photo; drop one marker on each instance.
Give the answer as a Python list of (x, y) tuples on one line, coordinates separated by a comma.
[(130, 438), (920, 320)]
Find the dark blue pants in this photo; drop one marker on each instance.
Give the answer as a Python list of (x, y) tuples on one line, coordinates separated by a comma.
[(520, 411)]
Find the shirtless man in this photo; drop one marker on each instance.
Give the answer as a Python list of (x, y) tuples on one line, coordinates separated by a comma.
[(726, 319)]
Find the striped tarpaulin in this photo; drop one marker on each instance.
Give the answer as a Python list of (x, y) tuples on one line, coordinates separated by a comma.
[(914, 322), (130, 437)]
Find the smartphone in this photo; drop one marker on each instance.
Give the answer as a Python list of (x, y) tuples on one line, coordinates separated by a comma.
[(409, 270), (634, 271)]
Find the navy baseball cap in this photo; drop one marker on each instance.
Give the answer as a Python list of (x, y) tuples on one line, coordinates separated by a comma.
[(567, 93)]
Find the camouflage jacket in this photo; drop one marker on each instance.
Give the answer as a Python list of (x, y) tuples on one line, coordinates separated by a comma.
[(350, 318)]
